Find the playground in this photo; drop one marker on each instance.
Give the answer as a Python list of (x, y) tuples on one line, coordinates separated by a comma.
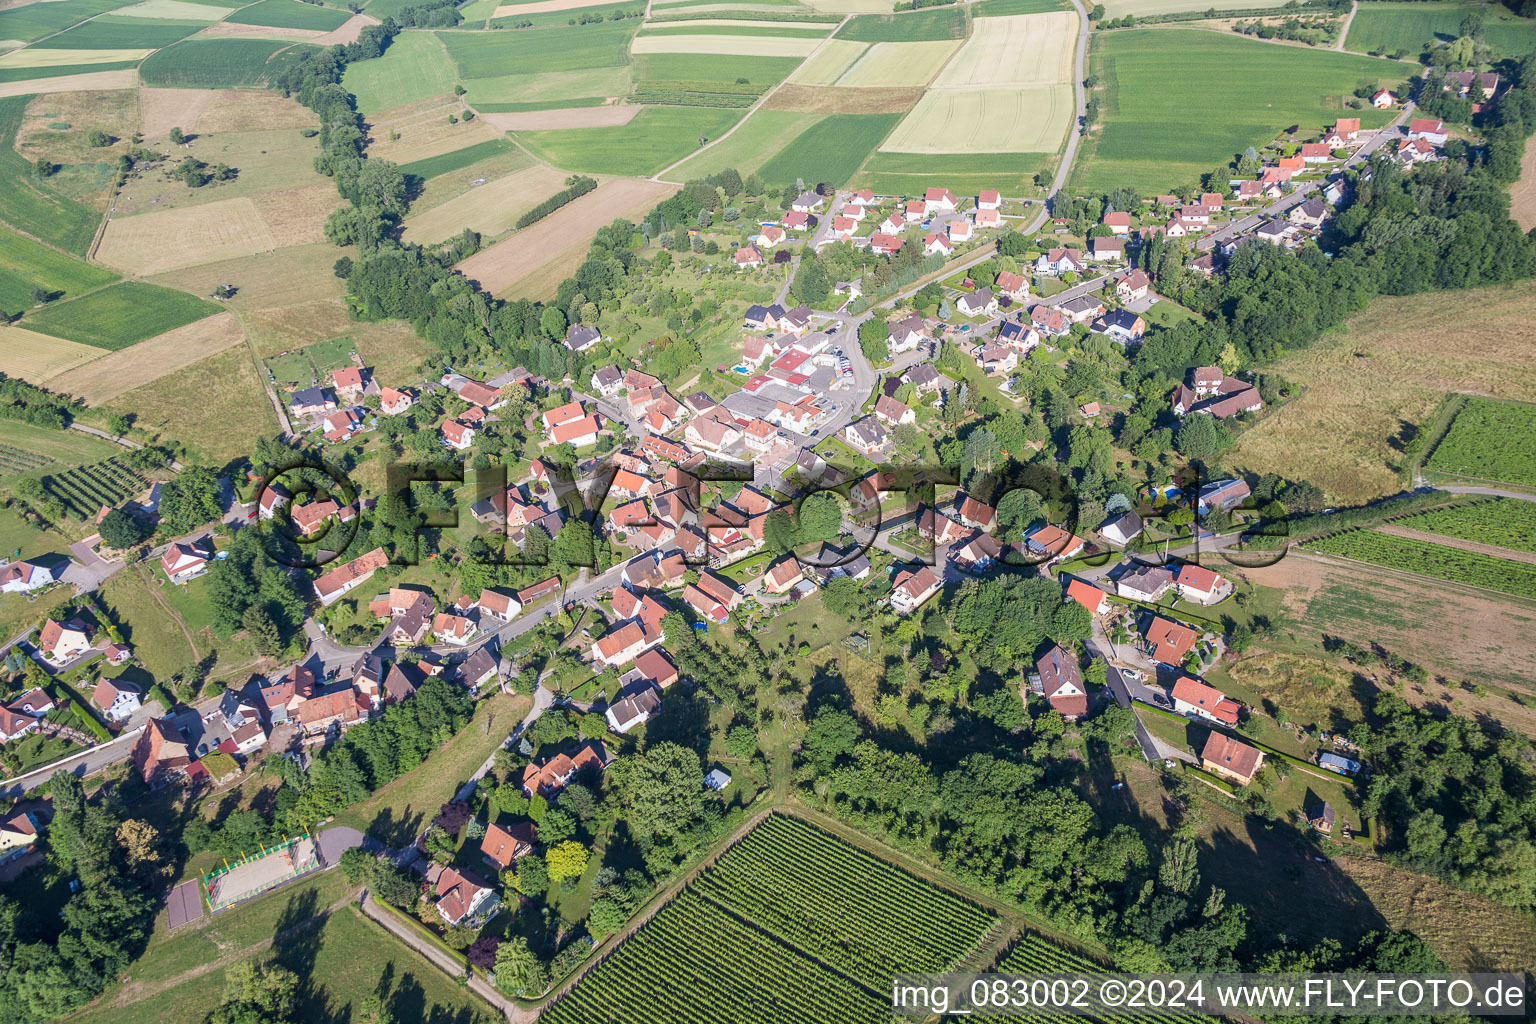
[(254, 875)]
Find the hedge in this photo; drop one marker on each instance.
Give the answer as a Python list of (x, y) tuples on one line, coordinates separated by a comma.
[(578, 188)]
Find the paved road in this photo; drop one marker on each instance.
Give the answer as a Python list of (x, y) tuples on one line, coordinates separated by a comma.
[(82, 764), (1080, 91), (1492, 491)]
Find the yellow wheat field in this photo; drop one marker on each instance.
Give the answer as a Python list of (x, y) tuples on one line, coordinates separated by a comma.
[(33, 58), (888, 64), (736, 46), (1024, 49), (1023, 119), (489, 209), (38, 357), (827, 64), (119, 372)]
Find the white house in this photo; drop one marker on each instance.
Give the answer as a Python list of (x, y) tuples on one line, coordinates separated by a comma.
[(116, 699), (912, 589)]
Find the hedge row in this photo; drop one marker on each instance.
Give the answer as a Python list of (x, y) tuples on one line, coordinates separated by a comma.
[(578, 188)]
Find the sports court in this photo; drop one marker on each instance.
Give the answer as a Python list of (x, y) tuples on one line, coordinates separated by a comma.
[(258, 874)]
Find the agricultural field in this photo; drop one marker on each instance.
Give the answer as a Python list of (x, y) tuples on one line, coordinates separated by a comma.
[(827, 64), (1414, 27), (228, 63), (728, 27), (230, 413), (1007, 8), (36, 57), (1489, 440), (85, 489), (297, 274), (934, 23), (1425, 559), (897, 64), (101, 380), (964, 173), (414, 68), (33, 21), (110, 32), (654, 139), (1023, 119), (1024, 50), (555, 88), (1153, 135), (490, 209), (722, 44), (462, 159), (1145, 8), (422, 131), (290, 14), (786, 918), (310, 365), (573, 48), (705, 67), (25, 265), (276, 172), (119, 315), (64, 447), (153, 243), (1393, 365), (1502, 522), (37, 357), (750, 146), (830, 150), (31, 205), (177, 10)]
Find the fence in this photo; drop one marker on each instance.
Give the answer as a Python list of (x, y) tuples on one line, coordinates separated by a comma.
[(253, 874)]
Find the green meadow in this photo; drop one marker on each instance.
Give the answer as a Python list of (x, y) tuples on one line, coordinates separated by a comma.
[(120, 315), (655, 138)]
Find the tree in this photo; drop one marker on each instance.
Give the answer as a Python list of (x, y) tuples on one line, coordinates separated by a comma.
[(779, 531), (532, 875), (606, 917), (1201, 436), (566, 860), (99, 139), (820, 518), (518, 970), (120, 530), (177, 137), (874, 339), (256, 993), (661, 790)]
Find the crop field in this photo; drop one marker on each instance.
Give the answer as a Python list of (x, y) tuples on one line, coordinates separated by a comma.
[(827, 64), (290, 14), (101, 380), (523, 264), (895, 64), (782, 30), (1489, 440), (152, 243), (1008, 8), (789, 917), (85, 489), (485, 54), (745, 46), (415, 67), (560, 118), (1436, 560), (679, 67), (964, 173), (1144, 8), (288, 276), (25, 264), (1033, 954), (37, 57), (749, 146), (934, 23), (38, 357), (431, 136), (60, 80), (31, 205), (1024, 119), (111, 32), (119, 315), (15, 461), (1153, 135), (490, 209), (230, 413), (229, 63), (560, 88), (174, 10), (1414, 27), (1502, 522), (654, 139), (1021, 50), (830, 150), (460, 159), (517, 10), (34, 21)]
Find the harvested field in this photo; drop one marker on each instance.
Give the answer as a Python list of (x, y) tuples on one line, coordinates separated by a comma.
[(742, 46), (806, 100), (230, 28), (122, 78), (543, 6), (505, 269), (348, 32), (160, 110), (887, 64), (1392, 366), (218, 110), (429, 136), (1020, 50), (827, 64), (173, 10), (489, 209), (1522, 194), (104, 379), (1024, 119), (283, 328), (153, 243), (569, 117), (299, 273), (39, 357), (751, 145), (39, 58), (230, 412)]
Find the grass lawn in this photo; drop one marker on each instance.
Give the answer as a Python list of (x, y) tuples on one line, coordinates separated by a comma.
[(1414, 27), (158, 643), (20, 539), (399, 810), (830, 150), (120, 315), (231, 410), (655, 138), (1156, 84), (415, 67)]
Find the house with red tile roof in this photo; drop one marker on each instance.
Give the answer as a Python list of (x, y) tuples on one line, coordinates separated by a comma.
[(1062, 683), (1087, 595), (885, 244), (1201, 585), (1191, 697), (911, 589), (1168, 642), (330, 586), (1231, 758), (748, 256), (504, 846)]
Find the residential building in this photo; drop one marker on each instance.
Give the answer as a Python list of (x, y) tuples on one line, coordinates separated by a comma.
[(63, 642), (1087, 595), (1109, 247), (893, 413), (1053, 543), (1202, 586), (1120, 325), (116, 699), (978, 303), (1083, 308), (783, 575), (393, 402), (912, 588), (549, 778), (634, 708), (579, 338), (463, 899), (1062, 683), (866, 435), (1133, 287), (1056, 262), (1168, 642), (1231, 758), (1222, 494), (907, 334), (1049, 321), (748, 256), (504, 846), (456, 435), (1118, 222), (1013, 286), (1430, 130), (1146, 583), (1122, 529), (332, 586), (183, 562), (1320, 816), (24, 577), (1310, 214), (161, 753), (18, 835)]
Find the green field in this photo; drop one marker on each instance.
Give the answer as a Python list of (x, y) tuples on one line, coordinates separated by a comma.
[(962, 173), (1414, 27), (1435, 560), (572, 48), (749, 146), (120, 315), (1005, 8), (552, 87), (779, 30), (290, 14), (830, 150), (415, 67), (655, 138), (60, 70), (1159, 128), (37, 20), (533, 105), (713, 67), (1502, 522), (311, 364), (933, 23), (790, 918), (28, 204), (113, 33), (459, 159), (220, 63), (25, 264), (548, 19), (1489, 440)]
